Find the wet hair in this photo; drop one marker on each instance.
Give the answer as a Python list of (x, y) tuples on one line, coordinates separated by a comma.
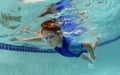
[(50, 25), (53, 20)]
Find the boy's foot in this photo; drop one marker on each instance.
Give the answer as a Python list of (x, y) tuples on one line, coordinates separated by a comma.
[(93, 57), (97, 38)]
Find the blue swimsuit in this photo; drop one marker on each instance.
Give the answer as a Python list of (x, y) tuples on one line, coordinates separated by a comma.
[(70, 48)]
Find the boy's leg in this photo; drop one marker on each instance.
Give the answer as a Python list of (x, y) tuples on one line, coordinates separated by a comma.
[(95, 43), (90, 47)]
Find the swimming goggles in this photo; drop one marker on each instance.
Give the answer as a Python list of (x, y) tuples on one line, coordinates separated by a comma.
[(49, 36)]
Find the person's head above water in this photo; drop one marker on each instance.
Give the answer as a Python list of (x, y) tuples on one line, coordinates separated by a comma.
[(52, 33)]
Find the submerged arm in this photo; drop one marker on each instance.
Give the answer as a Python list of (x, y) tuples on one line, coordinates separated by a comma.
[(32, 32), (32, 1), (39, 38)]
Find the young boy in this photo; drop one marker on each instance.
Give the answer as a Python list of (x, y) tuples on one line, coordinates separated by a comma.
[(64, 45)]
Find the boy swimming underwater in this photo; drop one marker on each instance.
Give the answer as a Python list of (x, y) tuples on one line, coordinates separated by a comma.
[(65, 46)]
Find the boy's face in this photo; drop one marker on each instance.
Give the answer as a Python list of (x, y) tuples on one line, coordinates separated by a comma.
[(52, 39)]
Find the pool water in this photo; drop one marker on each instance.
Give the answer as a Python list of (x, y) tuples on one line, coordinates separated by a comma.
[(103, 20)]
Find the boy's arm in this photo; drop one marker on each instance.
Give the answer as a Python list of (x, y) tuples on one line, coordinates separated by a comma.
[(39, 38), (32, 1), (37, 33)]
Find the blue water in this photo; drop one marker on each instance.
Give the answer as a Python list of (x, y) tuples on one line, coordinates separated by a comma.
[(103, 20)]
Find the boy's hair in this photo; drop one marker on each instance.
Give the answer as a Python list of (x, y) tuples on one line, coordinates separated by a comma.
[(53, 20), (50, 25)]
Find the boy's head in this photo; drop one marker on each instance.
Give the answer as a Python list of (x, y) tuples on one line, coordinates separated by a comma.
[(51, 32)]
